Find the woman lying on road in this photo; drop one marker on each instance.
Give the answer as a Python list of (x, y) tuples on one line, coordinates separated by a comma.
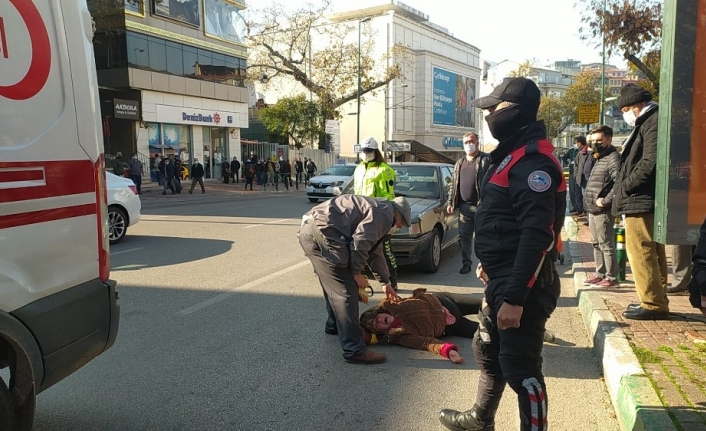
[(419, 321)]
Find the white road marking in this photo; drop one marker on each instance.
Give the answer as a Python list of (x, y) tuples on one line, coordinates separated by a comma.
[(125, 251), (225, 295), (269, 222)]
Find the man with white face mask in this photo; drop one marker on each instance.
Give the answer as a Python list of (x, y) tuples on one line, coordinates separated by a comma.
[(635, 198), (465, 194)]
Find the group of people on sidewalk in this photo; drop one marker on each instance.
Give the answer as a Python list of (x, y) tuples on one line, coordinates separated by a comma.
[(516, 199), (607, 183)]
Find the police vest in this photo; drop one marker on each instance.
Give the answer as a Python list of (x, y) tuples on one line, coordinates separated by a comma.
[(537, 181)]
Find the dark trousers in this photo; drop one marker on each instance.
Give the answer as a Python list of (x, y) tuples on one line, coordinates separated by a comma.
[(248, 182), (197, 180), (514, 356), (466, 224), (578, 192), (340, 294), (391, 260), (574, 194), (461, 305), (137, 179)]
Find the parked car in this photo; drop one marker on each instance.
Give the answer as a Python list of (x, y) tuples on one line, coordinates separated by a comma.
[(330, 182), (124, 206), (426, 186)]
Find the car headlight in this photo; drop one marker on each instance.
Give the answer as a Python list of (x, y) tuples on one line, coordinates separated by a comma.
[(416, 228), (337, 183), (308, 183)]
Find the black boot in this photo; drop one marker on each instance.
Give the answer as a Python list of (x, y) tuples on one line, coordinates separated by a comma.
[(393, 282), (475, 419)]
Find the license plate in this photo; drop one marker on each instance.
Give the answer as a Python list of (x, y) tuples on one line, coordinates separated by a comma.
[(320, 191)]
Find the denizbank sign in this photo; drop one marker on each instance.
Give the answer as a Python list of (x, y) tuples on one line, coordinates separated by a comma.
[(197, 117)]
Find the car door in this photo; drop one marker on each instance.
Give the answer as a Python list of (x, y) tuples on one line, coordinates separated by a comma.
[(451, 220)]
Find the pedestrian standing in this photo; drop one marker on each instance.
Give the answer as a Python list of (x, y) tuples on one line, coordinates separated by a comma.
[(168, 177), (135, 166), (597, 202), (697, 286), (465, 194), (341, 237), (197, 173), (635, 199), (569, 158), (519, 218), (235, 169), (375, 178), (582, 157), (681, 269)]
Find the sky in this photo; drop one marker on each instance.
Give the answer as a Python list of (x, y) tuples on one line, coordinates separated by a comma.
[(515, 30)]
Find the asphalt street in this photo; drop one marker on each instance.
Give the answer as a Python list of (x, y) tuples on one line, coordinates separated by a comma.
[(222, 325)]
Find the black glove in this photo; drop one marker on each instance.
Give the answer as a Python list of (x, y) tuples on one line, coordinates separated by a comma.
[(697, 287)]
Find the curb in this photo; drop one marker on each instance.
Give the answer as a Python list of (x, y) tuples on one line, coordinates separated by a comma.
[(635, 401)]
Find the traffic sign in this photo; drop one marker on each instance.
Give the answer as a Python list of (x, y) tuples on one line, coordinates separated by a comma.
[(399, 146), (588, 113)]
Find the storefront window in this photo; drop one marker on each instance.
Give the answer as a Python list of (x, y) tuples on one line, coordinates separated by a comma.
[(224, 21), (169, 139), (215, 150)]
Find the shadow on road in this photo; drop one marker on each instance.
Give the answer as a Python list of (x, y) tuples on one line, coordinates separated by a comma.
[(129, 255)]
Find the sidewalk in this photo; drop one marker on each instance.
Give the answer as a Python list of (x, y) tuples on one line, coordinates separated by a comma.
[(152, 189), (655, 371)]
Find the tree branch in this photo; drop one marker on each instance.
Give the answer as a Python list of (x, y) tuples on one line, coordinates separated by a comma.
[(363, 90), (642, 67)]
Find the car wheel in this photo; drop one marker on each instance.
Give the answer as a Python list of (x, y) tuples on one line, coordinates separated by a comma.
[(313, 200), (13, 418), (117, 224), (432, 258)]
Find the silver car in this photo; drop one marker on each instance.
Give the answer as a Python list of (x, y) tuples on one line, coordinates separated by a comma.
[(330, 182)]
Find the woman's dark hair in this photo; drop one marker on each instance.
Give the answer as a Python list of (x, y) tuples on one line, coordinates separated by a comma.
[(378, 157)]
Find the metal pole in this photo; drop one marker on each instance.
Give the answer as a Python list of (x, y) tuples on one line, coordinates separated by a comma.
[(601, 120), (357, 135), (387, 90)]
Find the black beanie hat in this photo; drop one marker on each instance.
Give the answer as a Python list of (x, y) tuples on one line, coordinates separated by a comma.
[(633, 94)]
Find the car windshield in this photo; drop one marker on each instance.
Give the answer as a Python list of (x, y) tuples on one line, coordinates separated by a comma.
[(416, 182), (340, 170)]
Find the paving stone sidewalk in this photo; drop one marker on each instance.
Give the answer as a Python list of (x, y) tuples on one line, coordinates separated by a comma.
[(671, 352)]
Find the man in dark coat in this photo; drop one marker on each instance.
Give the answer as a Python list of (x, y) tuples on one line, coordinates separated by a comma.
[(235, 169), (197, 173), (635, 199)]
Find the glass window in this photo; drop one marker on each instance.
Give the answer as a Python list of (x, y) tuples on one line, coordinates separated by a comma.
[(135, 6), (101, 51), (205, 64), (186, 11), (157, 54), (191, 59), (137, 50), (417, 182), (219, 66), (175, 60), (224, 21), (177, 136)]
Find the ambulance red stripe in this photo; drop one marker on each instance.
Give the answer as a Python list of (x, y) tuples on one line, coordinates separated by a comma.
[(63, 178), (43, 216)]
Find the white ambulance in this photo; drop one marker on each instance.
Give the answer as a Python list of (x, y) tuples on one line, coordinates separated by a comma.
[(58, 309)]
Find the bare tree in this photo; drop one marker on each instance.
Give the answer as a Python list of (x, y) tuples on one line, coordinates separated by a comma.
[(280, 46)]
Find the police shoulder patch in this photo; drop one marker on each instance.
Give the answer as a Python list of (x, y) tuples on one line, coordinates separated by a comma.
[(504, 163), (539, 181)]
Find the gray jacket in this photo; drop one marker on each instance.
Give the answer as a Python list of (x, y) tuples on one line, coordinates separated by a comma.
[(483, 162), (135, 167), (353, 228)]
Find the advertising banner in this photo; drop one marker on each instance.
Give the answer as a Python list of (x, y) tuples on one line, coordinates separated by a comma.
[(452, 96)]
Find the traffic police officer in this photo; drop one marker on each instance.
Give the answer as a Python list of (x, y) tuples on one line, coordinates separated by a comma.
[(523, 201), (375, 178), (341, 237)]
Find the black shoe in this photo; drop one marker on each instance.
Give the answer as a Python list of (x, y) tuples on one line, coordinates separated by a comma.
[(330, 331), (640, 313), (675, 291), (465, 421), (465, 269)]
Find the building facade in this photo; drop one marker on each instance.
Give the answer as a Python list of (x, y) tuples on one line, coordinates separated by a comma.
[(172, 80), (427, 110)]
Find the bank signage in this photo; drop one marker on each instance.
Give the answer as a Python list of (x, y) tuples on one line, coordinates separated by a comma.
[(198, 117), (126, 109), (452, 142)]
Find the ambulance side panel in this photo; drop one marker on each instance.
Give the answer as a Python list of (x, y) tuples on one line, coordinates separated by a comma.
[(52, 211)]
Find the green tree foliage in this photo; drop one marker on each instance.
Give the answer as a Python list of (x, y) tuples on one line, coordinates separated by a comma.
[(551, 111), (294, 117), (631, 27), (585, 89)]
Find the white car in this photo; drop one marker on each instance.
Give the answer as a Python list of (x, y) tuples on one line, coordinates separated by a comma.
[(330, 183), (124, 206)]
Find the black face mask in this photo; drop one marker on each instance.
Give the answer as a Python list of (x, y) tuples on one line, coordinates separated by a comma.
[(506, 122)]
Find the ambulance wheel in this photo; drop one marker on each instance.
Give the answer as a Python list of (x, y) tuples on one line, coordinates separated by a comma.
[(117, 224), (432, 258), (7, 410)]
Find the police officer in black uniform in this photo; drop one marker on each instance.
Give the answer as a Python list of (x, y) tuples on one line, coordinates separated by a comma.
[(523, 201)]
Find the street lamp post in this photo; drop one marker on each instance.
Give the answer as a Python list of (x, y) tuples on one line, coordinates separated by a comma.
[(357, 135), (603, 62)]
